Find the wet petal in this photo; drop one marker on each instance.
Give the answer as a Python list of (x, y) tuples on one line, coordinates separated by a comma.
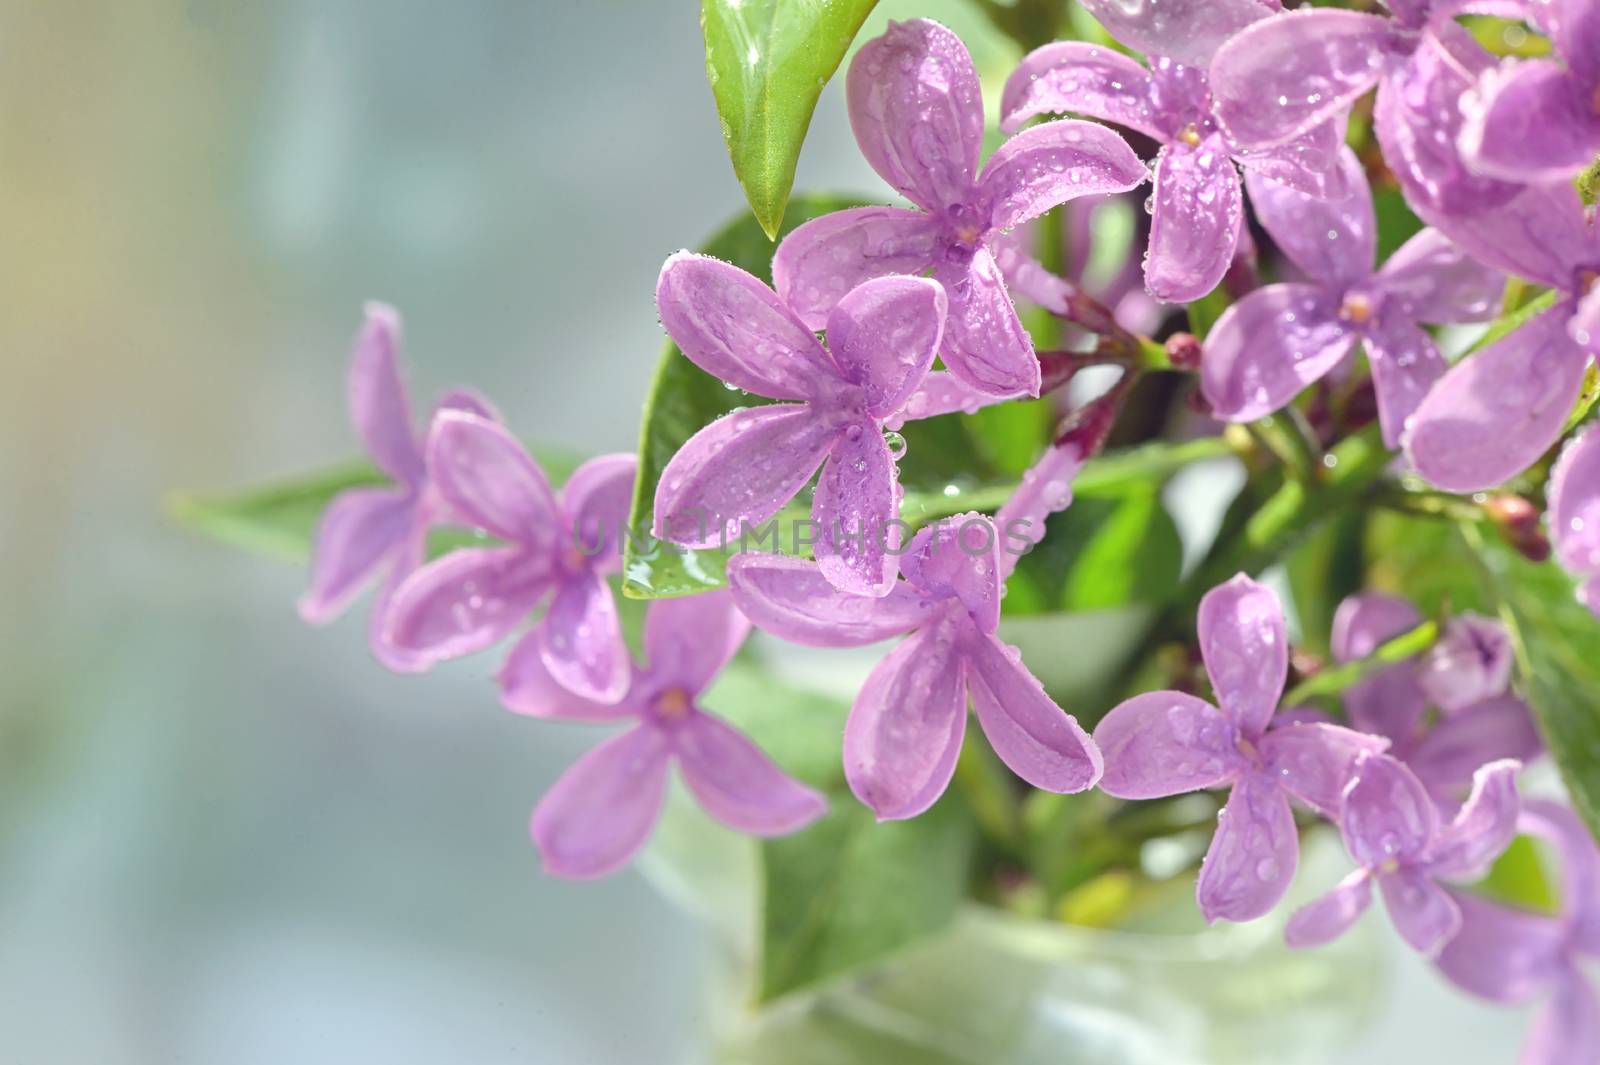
[(790, 598), (740, 470), (1049, 164), (465, 601), (1268, 347), (1032, 735), (1194, 230), (1484, 826), (1186, 30), (905, 729), (361, 530), (687, 641), (1567, 1030), (917, 111), (1333, 240), (581, 639), (737, 330), (1252, 858), (1390, 702), (1456, 746), (1530, 122), (1435, 281), (738, 784), (884, 335), (984, 342), (1314, 762), (959, 558), (1423, 912), (1494, 414), (1074, 77), (380, 408), (1386, 813), (856, 510), (1310, 163), (1046, 489), (596, 501), (601, 811), (825, 258), (486, 476), (941, 393), (1246, 650), (1282, 77), (1575, 504), (1405, 365), (1502, 954), (1165, 743), (1325, 919), (526, 687)]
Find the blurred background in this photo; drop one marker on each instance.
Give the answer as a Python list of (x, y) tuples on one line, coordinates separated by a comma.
[(228, 838)]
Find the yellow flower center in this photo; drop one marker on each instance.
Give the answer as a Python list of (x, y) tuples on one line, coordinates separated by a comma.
[(1356, 308), (1190, 135), (673, 704)]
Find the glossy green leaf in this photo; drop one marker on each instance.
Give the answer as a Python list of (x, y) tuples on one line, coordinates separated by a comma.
[(1107, 550), (767, 61)]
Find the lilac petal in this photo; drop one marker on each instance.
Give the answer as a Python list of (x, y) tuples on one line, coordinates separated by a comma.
[(1502, 954), (1493, 415), (1268, 347), (941, 393), (1186, 30), (601, 811), (1530, 123), (526, 687), (1363, 623), (408, 558), (484, 473), (1573, 26), (1194, 229), (959, 558), (1483, 827), (737, 330), (1252, 858), (380, 408), (465, 601), (596, 501), (739, 471), (1567, 1030), (1165, 743), (466, 401), (1575, 504), (1470, 662), (984, 342), (1284, 76), (1074, 77), (884, 335), (1246, 650), (790, 598), (1032, 735), (1386, 814), (362, 529), (904, 732), (581, 639), (1310, 163), (1046, 489), (1435, 281), (1589, 595), (856, 511), (917, 111), (1333, 240), (1390, 702), (1423, 912), (1314, 762), (738, 784), (1580, 865), (1405, 364), (1446, 758), (688, 641), (1325, 919), (826, 257), (1052, 163)]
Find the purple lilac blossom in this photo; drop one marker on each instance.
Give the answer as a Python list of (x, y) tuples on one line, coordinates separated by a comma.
[(1444, 753), (917, 112), (1168, 742), (1470, 662), (1394, 832), (379, 532), (602, 810), (1539, 119), (1281, 338), (906, 727), (1198, 205), (1575, 514), (558, 546), (1507, 955), (742, 468)]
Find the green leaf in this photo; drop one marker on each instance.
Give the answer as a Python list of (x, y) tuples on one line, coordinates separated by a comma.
[(767, 61), (1105, 550)]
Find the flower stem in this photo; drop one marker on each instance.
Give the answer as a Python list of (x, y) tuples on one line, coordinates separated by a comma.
[(1334, 681)]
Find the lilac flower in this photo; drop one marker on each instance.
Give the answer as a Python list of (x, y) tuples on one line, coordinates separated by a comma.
[(1470, 662), (567, 545), (1539, 120), (1393, 831), (1198, 205), (1507, 955), (367, 532), (742, 468), (917, 113), (1281, 338), (1168, 742), (906, 727), (602, 810), (1575, 514), (1393, 702)]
